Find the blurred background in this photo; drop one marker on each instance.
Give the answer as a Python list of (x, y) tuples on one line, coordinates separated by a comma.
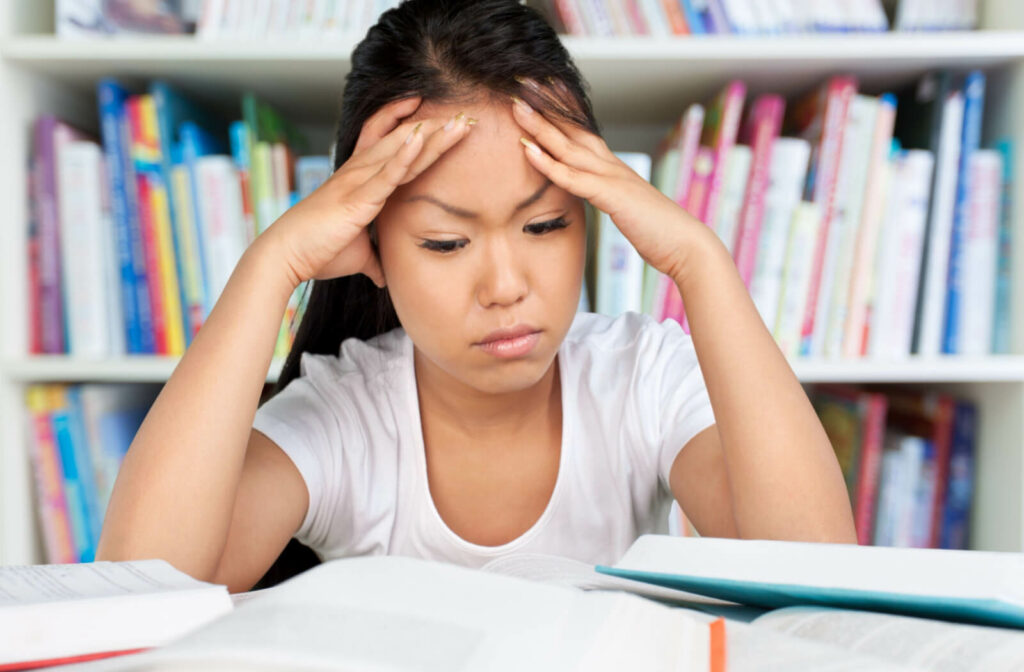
[(858, 158)]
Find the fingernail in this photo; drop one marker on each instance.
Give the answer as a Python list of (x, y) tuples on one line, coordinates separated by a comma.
[(414, 132), (522, 104), (471, 121), (454, 120), (527, 82), (530, 146)]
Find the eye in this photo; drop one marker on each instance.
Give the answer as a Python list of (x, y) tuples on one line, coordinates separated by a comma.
[(544, 227), (443, 246)]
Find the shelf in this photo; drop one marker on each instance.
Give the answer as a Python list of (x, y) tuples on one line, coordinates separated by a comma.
[(305, 78), (997, 369)]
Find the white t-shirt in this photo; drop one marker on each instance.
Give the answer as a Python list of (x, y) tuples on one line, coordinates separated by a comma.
[(632, 396)]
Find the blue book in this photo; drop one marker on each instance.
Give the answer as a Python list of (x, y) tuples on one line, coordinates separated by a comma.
[(1001, 327), (694, 19), (139, 337), (76, 475), (974, 99), (953, 585), (959, 492)]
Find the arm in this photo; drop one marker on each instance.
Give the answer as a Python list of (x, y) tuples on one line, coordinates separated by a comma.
[(176, 488), (784, 477)]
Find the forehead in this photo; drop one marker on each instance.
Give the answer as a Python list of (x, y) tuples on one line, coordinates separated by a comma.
[(487, 171)]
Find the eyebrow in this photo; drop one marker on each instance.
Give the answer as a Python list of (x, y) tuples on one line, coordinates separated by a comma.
[(467, 214)]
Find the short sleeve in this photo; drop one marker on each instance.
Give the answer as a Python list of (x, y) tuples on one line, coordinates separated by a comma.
[(669, 392), (301, 422)]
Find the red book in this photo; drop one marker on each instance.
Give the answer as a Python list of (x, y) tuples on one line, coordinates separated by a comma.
[(764, 127), (869, 471), (721, 127), (821, 120)]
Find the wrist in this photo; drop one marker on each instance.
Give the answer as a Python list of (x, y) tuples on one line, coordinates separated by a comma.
[(267, 254), (697, 247)]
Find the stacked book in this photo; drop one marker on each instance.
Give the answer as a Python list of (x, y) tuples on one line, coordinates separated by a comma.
[(863, 226), (133, 235), (908, 462)]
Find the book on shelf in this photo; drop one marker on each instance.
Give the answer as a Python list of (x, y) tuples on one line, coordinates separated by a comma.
[(166, 204), (381, 612), (78, 436), (907, 460), (909, 217), (123, 18)]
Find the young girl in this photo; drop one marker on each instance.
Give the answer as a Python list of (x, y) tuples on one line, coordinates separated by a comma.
[(443, 398)]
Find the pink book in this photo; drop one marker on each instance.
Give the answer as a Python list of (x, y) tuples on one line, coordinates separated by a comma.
[(821, 119), (636, 18), (720, 131), (49, 475), (765, 125), (691, 126), (570, 16), (696, 199)]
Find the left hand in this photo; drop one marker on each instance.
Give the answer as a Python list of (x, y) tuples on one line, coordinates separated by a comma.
[(581, 163)]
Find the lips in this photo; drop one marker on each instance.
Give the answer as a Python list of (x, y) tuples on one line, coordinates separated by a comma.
[(509, 333)]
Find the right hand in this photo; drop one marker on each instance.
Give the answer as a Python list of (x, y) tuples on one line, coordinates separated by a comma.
[(324, 235)]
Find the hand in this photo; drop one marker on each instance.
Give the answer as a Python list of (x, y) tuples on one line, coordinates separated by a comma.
[(324, 235), (581, 163)]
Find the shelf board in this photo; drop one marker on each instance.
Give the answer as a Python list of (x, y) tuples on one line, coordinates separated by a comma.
[(305, 78), (146, 369)]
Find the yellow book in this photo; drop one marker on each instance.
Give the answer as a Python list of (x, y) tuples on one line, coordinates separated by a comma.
[(192, 280), (161, 213)]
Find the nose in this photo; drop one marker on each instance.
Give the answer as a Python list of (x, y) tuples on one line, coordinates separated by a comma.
[(503, 278)]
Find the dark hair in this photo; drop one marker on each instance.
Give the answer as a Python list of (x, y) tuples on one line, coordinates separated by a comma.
[(442, 51)]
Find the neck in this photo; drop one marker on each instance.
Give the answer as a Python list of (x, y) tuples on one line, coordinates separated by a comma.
[(466, 410)]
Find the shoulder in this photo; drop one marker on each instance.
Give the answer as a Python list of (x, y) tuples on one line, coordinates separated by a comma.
[(629, 333)]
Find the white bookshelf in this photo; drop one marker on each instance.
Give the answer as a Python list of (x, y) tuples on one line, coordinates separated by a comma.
[(40, 73)]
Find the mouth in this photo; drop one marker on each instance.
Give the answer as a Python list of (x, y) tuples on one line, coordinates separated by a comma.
[(510, 343)]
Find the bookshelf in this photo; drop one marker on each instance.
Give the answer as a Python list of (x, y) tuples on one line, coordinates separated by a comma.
[(39, 73)]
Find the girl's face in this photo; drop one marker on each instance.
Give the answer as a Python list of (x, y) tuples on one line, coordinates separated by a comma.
[(478, 242)]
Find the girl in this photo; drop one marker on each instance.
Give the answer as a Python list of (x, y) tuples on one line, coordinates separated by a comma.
[(443, 398)]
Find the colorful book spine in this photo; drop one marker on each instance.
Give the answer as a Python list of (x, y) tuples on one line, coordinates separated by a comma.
[(570, 16), (875, 409), (734, 187), (694, 19), (49, 476), (240, 144), (112, 123), (76, 474), (956, 517), (981, 253), (1001, 329), (840, 91), (689, 143), (974, 99), (766, 124), (721, 127), (675, 16), (799, 254)]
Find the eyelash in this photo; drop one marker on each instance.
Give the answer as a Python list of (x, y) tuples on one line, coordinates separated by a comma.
[(449, 246)]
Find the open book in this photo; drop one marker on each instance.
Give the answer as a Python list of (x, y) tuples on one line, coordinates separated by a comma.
[(393, 613), (811, 637)]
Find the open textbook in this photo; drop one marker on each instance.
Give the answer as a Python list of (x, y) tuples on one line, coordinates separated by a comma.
[(805, 637), (393, 614)]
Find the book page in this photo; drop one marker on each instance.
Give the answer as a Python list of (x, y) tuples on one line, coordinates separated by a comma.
[(392, 613), (934, 645), (26, 584)]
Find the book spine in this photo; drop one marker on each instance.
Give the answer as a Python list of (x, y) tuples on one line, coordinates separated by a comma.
[(689, 144), (83, 253), (50, 500), (875, 408), (940, 229), (723, 130), (619, 265), (734, 186), (192, 276), (35, 328), (1001, 328), (840, 92), (917, 176), (803, 233), (676, 19), (240, 145), (942, 438), (50, 301), (570, 16), (163, 236), (956, 517), (974, 96), (693, 18), (981, 253), (192, 149), (767, 124), (111, 111), (637, 20), (73, 488), (787, 173)]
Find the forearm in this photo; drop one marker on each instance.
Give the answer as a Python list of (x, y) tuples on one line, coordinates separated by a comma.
[(786, 482), (176, 487)]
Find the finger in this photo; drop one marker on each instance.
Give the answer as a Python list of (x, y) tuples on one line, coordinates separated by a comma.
[(558, 93), (384, 121), (552, 138), (376, 190), (574, 180), (393, 142), (439, 142)]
